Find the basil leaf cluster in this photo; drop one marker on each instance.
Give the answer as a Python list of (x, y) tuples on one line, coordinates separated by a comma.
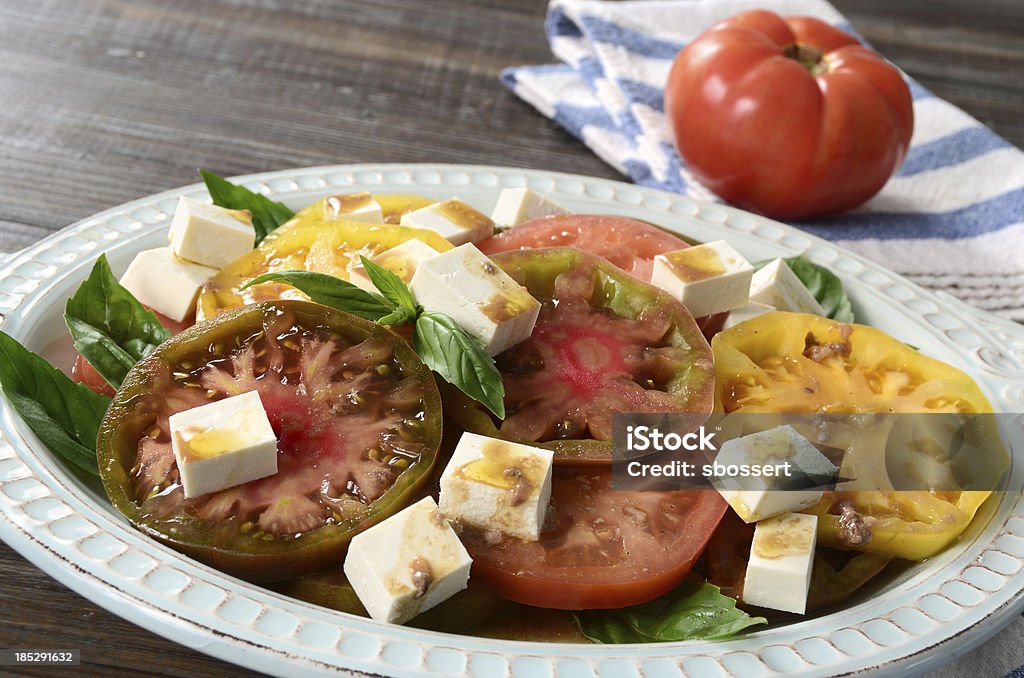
[(441, 343), (109, 326)]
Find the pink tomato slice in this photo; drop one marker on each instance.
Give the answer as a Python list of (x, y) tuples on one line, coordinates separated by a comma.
[(604, 343), (629, 244)]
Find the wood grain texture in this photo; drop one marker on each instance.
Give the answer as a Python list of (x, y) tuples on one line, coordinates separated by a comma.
[(110, 100)]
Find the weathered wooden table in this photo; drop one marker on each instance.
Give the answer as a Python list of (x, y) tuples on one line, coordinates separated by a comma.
[(108, 100)]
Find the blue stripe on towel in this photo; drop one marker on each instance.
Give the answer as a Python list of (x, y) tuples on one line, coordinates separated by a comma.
[(951, 150), (560, 25), (641, 44), (977, 219), (640, 173), (591, 69), (642, 93), (574, 118)]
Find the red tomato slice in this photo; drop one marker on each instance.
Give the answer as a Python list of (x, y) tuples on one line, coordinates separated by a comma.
[(600, 548), (84, 373), (629, 244)]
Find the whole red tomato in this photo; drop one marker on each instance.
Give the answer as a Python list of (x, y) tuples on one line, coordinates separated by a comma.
[(788, 117)]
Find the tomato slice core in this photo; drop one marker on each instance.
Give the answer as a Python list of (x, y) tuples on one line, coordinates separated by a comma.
[(603, 343)]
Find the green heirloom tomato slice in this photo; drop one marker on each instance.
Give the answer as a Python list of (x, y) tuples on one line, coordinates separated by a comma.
[(356, 413), (605, 342)]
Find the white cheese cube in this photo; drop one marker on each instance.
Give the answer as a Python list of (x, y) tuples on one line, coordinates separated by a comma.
[(484, 300), (516, 205), (353, 207), (745, 313), (707, 278), (225, 443), (776, 285), (210, 235), (453, 220), (779, 570), (498, 485), (755, 498), (165, 283), (407, 564), (402, 260)]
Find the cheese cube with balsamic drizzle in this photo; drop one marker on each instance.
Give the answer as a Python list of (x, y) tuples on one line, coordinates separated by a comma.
[(518, 205), (754, 498), (164, 282), (407, 564), (497, 486), (779, 570), (402, 260), (745, 313), (708, 278), (222, 444), (776, 285), (353, 207), (453, 220), (210, 235), (464, 284)]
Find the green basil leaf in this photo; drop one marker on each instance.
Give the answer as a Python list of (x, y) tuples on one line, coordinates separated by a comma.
[(330, 291), (460, 360), (696, 610), (825, 286), (390, 285), (399, 316), (110, 328), (267, 214), (66, 416)]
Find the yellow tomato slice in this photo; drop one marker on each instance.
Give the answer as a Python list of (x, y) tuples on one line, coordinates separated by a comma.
[(392, 205), (791, 362), (311, 243)]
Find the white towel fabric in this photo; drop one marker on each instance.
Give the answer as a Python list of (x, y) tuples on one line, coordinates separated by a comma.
[(951, 219)]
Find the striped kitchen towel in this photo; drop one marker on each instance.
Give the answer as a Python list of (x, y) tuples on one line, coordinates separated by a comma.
[(951, 219)]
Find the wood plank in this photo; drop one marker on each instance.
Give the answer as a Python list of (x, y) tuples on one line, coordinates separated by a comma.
[(269, 98)]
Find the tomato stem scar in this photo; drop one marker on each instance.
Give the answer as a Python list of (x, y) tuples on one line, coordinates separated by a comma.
[(809, 57)]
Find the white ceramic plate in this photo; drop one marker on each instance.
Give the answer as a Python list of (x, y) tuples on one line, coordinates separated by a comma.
[(932, 613)]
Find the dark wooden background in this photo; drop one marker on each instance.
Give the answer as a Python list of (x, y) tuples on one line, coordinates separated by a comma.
[(102, 101)]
